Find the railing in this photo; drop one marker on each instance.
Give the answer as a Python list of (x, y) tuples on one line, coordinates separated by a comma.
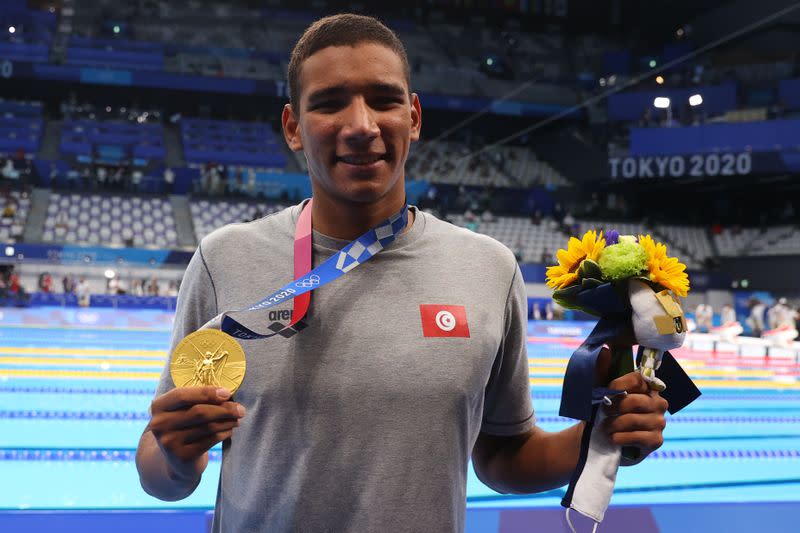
[(116, 301)]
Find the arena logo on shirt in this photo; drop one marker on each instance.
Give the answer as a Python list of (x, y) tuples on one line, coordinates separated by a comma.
[(444, 320)]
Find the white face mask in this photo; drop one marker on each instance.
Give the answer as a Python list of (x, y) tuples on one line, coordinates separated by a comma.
[(595, 485)]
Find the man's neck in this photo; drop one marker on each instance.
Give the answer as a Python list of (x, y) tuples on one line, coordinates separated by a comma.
[(349, 221)]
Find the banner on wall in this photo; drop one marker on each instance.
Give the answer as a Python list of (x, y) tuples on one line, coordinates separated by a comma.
[(67, 254), (701, 165)]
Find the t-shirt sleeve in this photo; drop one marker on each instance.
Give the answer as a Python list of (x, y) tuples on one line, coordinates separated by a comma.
[(197, 304), (507, 408)]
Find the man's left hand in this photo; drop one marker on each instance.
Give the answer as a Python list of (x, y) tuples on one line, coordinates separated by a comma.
[(636, 419)]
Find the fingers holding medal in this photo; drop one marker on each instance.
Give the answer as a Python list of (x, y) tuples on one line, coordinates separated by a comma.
[(208, 357)]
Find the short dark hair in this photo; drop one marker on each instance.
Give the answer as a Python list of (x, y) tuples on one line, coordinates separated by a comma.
[(345, 29)]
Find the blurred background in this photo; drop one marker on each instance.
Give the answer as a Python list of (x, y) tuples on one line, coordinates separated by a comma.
[(130, 130)]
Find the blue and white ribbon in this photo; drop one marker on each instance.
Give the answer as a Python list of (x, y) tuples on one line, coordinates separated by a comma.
[(352, 255)]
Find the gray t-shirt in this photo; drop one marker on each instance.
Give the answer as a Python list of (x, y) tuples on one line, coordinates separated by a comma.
[(363, 421)]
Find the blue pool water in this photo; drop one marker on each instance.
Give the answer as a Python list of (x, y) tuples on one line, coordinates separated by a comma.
[(67, 440)]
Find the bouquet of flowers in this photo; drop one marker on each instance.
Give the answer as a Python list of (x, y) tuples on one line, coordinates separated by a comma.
[(633, 287)]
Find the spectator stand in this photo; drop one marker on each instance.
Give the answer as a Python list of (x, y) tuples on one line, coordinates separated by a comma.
[(210, 215), (21, 128), (14, 209), (232, 143), (108, 219), (32, 33)]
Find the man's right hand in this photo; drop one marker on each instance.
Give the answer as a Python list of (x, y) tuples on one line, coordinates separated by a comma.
[(187, 422)]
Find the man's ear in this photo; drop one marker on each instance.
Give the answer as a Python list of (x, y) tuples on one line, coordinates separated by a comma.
[(291, 128), (416, 117)]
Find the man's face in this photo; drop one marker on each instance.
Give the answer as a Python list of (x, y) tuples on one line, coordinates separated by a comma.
[(355, 122)]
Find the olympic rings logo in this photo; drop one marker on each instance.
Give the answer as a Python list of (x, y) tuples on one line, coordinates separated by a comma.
[(311, 281), (445, 321)]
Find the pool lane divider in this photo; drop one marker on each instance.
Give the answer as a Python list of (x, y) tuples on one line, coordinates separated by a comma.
[(754, 384), (83, 374), (129, 454), (82, 327), (143, 415), (154, 354), (6, 373), (78, 390), (75, 361), (536, 395)]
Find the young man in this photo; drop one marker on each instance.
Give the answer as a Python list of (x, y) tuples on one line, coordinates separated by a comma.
[(365, 420)]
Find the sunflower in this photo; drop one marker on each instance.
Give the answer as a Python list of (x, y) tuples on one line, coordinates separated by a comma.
[(569, 260), (666, 271)]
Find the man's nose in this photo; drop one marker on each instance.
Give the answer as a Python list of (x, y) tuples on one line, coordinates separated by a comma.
[(360, 123)]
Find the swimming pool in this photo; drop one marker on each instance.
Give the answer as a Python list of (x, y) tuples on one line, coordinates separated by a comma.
[(74, 399)]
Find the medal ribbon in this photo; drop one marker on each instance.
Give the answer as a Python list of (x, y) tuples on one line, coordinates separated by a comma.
[(306, 280)]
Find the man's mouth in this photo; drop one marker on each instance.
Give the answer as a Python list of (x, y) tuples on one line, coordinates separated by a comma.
[(361, 159)]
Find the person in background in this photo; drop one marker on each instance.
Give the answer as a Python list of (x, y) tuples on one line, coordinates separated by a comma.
[(86, 179), (15, 288), (784, 315), (152, 286), (46, 282), (14, 283), (251, 181), (102, 178), (703, 317), (121, 287), (169, 180), (112, 287), (172, 289), (756, 318), (84, 292), (136, 181), (53, 176), (10, 209), (137, 287), (68, 284), (728, 314), (8, 171)]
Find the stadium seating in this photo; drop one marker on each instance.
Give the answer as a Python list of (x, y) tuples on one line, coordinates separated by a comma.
[(21, 126), (110, 220), (112, 141), (11, 228), (776, 240), (116, 54), (210, 215), (232, 143), (735, 242), (30, 52), (691, 241), (32, 36), (688, 243), (532, 242), (503, 166), (248, 43)]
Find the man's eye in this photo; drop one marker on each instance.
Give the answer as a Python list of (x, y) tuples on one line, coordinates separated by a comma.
[(387, 101), (326, 105)]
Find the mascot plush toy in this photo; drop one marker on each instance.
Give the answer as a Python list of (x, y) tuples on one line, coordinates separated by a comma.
[(633, 287)]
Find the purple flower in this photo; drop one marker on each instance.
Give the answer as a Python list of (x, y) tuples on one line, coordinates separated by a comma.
[(612, 237)]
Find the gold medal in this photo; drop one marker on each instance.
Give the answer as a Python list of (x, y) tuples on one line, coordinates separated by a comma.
[(208, 357)]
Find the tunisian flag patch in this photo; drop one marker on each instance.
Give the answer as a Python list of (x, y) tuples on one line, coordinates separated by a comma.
[(444, 320)]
